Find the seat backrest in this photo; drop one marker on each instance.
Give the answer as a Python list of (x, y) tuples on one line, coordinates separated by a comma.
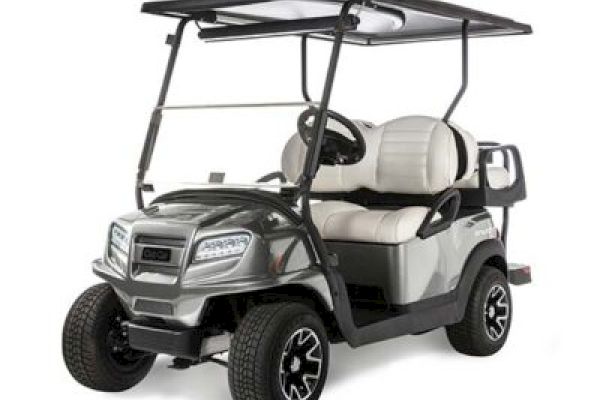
[(410, 155)]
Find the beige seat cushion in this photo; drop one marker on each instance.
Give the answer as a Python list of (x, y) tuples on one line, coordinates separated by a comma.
[(338, 220), (410, 155), (498, 178)]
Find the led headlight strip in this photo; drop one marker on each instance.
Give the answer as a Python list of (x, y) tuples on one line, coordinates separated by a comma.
[(119, 238), (222, 246)]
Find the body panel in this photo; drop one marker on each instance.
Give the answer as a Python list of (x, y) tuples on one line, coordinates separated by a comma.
[(277, 254), (416, 270)]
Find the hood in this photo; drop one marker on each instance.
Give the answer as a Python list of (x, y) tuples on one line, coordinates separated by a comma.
[(181, 220)]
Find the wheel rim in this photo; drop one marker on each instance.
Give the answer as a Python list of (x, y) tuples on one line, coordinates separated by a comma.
[(120, 353), (496, 312), (300, 366)]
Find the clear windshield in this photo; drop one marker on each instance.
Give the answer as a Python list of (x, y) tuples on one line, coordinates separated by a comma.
[(242, 143), (230, 146)]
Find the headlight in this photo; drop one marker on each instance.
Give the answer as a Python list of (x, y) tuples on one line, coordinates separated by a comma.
[(223, 246), (119, 238)]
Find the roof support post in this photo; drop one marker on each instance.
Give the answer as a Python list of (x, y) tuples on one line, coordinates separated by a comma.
[(175, 42), (327, 262), (312, 157), (465, 71), (303, 46), (311, 163)]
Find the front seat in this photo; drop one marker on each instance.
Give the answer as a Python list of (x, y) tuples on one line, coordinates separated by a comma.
[(410, 155)]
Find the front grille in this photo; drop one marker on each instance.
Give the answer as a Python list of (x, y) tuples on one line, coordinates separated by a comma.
[(153, 307), (161, 241), (158, 259)]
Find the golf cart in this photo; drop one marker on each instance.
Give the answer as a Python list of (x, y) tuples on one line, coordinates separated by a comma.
[(368, 232)]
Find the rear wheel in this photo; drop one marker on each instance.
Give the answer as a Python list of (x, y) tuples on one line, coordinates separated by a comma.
[(95, 346), (279, 352), (486, 324)]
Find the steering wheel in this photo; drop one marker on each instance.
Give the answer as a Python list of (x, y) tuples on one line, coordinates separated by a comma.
[(336, 149)]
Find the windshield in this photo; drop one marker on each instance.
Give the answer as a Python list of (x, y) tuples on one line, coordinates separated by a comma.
[(224, 124), (232, 145)]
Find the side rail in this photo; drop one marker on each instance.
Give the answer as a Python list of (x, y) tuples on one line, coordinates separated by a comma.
[(485, 194)]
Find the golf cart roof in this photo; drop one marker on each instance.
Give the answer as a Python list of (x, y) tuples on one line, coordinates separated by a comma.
[(381, 21)]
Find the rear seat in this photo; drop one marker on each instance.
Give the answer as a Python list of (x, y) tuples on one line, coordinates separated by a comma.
[(411, 155)]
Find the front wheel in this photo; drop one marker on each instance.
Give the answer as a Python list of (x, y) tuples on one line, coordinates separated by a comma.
[(486, 324), (95, 347), (279, 352)]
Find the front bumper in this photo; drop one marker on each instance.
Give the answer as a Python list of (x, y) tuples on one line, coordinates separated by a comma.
[(181, 306), (187, 343), (182, 343)]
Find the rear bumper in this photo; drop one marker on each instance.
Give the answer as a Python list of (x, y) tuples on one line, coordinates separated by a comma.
[(519, 274)]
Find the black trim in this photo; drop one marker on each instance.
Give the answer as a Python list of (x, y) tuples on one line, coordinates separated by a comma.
[(371, 199), (487, 196), (273, 200), (273, 175), (483, 252), (461, 150)]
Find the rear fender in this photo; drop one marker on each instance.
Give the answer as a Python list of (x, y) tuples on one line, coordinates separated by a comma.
[(490, 252)]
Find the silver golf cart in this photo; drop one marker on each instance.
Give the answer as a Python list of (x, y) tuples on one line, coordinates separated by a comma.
[(368, 231)]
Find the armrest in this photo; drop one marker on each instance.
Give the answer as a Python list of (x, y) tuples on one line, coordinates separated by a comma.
[(447, 204)]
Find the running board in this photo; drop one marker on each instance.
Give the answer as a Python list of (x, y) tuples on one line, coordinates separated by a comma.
[(423, 316), (407, 324)]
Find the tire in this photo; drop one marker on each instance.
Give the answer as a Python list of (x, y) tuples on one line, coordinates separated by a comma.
[(94, 346), (488, 316), (279, 352)]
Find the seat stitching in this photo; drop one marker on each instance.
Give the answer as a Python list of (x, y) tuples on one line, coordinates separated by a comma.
[(379, 225), (427, 172), (377, 160)]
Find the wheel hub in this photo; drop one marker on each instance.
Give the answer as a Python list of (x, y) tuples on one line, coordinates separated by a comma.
[(295, 367), (117, 342), (300, 366), (496, 313)]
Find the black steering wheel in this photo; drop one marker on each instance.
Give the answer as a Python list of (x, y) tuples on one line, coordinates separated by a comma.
[(336, 149)]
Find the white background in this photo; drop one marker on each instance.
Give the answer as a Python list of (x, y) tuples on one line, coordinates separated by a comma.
[(78, 80)]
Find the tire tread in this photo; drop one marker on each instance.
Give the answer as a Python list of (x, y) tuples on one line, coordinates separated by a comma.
[(468, 336), (251, 348), (79, 343)]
